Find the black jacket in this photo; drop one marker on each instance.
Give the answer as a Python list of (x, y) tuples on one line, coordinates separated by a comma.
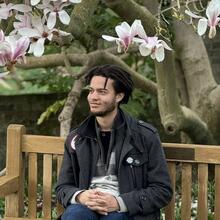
[(144, 182)]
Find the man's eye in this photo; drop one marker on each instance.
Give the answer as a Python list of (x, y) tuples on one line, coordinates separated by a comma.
[(102, 92)]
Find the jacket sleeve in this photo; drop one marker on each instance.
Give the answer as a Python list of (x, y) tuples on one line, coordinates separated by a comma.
[(159, 191), (67, 183)]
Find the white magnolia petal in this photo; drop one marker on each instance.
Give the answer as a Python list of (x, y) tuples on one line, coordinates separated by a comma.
[(2, 60), (5, 53), (109, 38), (202, 26), (141, 32), (14, 32), (24, 21), (29, 32), (51, 21), (39, 47), (138, 40), (46, 2), (119, 49), (153, 56), (34, 2), (125, 26), (2, 36), (50, 37), (4, 12), (135, 27), (213, 10), (16, 25), (22, 8), (75, 1), (21, 47), (63, 33), (38, 23), (192, 14), (64, 17), (121, 32), (212, 32), (4, 47), (46, 11), (31, 48), (152, 41), (11, 41), (165, 45), (144, 50), (159, 53)]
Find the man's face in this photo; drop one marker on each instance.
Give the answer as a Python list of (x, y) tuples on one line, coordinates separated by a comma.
[(102, 97)]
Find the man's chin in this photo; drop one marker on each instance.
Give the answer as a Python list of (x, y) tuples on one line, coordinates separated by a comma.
[(97, 113)]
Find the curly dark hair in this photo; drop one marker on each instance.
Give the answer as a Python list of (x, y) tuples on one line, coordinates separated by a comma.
[(122, 80)]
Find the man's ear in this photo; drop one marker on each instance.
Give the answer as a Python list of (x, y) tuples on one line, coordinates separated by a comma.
[(119, 97)]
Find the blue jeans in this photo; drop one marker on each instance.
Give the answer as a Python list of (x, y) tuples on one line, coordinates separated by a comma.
[(81, 212)]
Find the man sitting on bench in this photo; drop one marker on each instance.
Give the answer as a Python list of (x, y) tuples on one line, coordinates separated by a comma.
[(114, 167)]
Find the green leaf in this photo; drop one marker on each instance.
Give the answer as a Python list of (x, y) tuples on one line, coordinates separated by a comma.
[(52, 109)]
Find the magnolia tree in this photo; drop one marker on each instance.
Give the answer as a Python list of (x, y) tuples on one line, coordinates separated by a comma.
[(169, 34)]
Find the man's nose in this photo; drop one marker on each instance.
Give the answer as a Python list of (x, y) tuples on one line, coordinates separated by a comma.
[(93, 95)]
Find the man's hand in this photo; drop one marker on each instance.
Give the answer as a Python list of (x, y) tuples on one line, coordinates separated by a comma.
[(98, 201), (103, 204)]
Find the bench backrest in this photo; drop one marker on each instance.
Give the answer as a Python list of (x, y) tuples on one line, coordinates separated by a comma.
[(31, 155)]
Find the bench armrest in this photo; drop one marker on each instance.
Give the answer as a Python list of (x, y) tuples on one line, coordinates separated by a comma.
[(8, 185)]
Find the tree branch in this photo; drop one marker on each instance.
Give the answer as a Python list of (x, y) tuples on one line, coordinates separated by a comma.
[(129, 10), (65, 117), (94, 58), (196, 128), (81, 17)]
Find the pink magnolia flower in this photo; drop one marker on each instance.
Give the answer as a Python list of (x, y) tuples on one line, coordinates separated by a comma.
[(151, 46), (23, 21), (35, 2), (212, 20), (13, 49), (6, 9), (55, 8), (126, 34), (39, 33)]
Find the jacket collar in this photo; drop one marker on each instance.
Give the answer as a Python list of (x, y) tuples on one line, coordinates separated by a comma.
[(89, 127)]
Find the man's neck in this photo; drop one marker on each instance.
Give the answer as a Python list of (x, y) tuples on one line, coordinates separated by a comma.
[(107, 121)]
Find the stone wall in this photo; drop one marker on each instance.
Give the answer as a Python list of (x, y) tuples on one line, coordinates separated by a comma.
[(26, 109)]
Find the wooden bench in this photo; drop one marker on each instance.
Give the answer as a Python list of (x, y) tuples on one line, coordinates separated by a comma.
[(33, 158)]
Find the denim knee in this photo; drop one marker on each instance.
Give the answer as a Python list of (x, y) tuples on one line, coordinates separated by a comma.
[(78, 212), (116, 216)]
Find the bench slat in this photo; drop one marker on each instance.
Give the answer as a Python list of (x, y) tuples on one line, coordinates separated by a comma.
[(202, 191), (32, 185), (186, 191), (60, 208), (170, 209), (217, 192), (47, 183), (42, 144), (14, 203)]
